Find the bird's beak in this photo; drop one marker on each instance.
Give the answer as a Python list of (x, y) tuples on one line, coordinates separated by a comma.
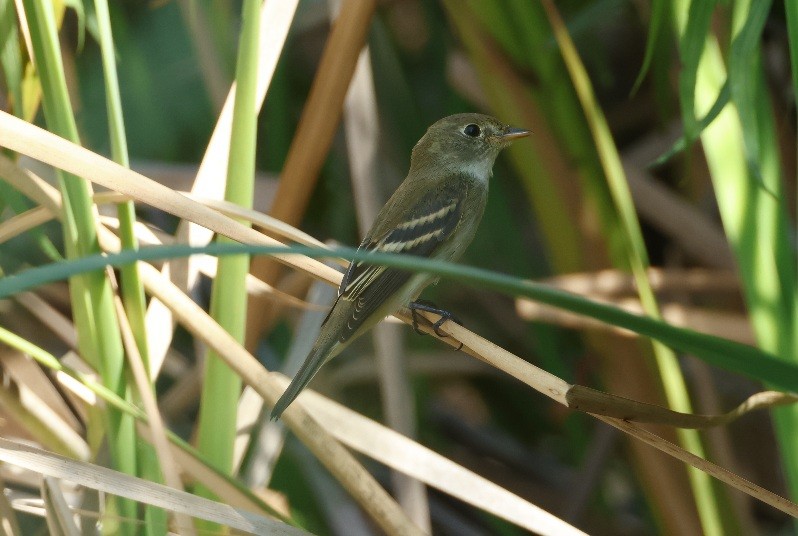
[(512, 133)]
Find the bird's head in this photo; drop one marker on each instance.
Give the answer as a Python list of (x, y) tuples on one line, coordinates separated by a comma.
[(467, 142)]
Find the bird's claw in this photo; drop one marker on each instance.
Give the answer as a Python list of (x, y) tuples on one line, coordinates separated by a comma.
[(429, 307)]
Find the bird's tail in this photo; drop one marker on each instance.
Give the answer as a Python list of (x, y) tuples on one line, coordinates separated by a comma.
[(317, 357)]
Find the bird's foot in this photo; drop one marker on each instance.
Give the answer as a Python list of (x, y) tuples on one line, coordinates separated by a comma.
[(429, 307)]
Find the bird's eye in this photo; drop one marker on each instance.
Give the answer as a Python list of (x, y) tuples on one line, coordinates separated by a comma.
[(472, 130)]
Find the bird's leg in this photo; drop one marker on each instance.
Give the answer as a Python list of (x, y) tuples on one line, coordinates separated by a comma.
[(429, 307)]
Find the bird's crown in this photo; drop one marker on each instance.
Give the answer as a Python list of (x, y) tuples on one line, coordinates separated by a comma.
[(469, 141)]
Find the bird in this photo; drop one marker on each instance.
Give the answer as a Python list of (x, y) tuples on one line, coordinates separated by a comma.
[(434, 213)]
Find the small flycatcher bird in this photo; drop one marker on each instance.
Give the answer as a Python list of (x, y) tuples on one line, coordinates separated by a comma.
[(434, 213)]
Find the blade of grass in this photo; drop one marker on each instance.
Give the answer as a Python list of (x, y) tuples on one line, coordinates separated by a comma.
[(658, 22), (691, 45), (11, 56), (723, 353), (221, 386), (131, 288), (276, 18), (682, 143), (98, 333), (136, 489), (133, 292), (673, 382), (162, 452), (740, 149), (773, 302)]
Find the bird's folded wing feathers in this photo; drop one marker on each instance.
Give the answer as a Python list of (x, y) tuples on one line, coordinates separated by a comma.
[(419, 232)]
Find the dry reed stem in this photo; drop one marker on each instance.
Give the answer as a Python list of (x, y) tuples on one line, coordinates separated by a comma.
[(590, 400), (46, 147), (20, 223), (562, 392)]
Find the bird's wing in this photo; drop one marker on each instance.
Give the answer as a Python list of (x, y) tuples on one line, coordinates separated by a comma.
[(420, 231)]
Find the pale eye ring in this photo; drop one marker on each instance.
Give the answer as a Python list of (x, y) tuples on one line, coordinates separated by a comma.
[(472, 130)]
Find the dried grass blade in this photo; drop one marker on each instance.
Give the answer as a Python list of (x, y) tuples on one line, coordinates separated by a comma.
[(137, 489), (39, 144), (60, 518), (407, 456)]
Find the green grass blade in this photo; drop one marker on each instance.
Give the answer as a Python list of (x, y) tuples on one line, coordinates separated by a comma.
[(222, 386), (132, 290), (741, 151), (11, 55), (743, 64), (676, 392), (682, 143), (658, 23), (691, 47), (95, 319), (723, 353), (765, 253)]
